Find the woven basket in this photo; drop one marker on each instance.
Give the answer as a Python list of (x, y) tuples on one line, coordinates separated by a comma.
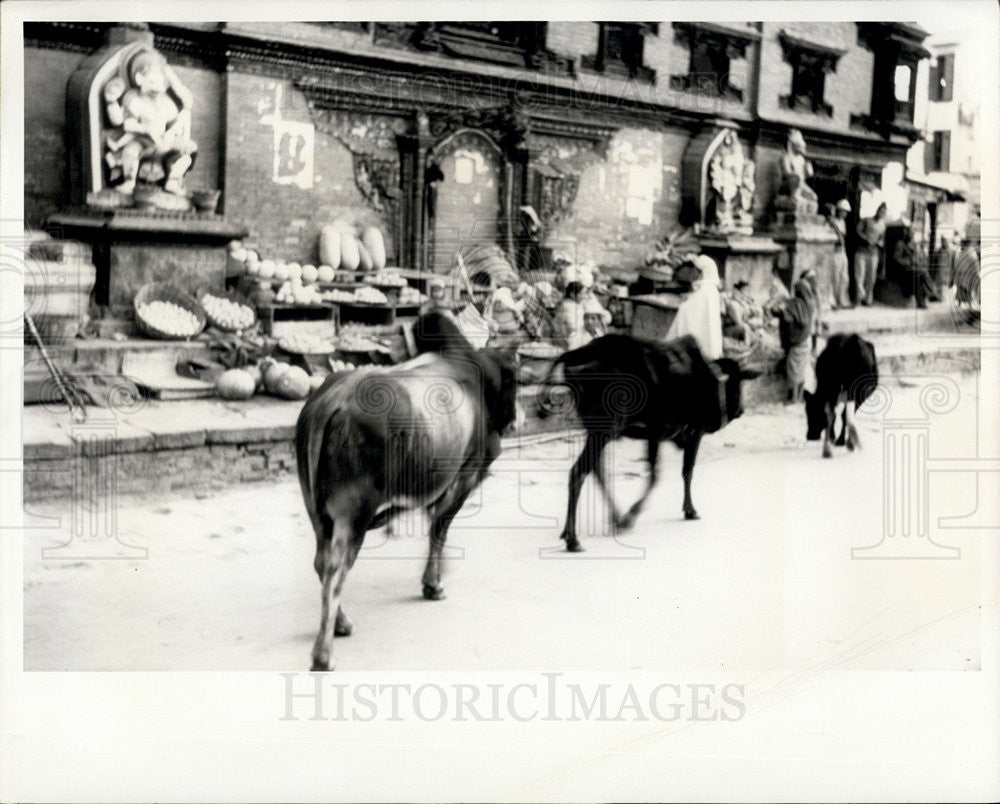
[(162, 291), (230, 296)]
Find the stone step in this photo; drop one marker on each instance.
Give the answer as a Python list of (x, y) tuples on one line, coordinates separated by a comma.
[(938, 318)]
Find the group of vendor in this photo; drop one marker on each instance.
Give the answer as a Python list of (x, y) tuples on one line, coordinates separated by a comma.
[(573, 304)]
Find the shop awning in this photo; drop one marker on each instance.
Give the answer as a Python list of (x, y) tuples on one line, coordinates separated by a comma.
[(935, 187)]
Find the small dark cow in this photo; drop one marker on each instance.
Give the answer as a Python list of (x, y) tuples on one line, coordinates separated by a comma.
[(846, 371), (419, 435), (622, 386)]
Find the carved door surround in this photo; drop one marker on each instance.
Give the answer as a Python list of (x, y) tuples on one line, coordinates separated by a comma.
[(398, 182), (528, 175)]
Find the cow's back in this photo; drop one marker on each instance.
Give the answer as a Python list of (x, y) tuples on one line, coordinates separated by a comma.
[(622, 380), (402, 431), (848, 364)]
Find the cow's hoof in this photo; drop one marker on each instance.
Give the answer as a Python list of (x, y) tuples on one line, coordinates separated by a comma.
[(572, 544), (321, 666), (433, 592), (827, 452), (690, 513), (343, 627), (625, 522)]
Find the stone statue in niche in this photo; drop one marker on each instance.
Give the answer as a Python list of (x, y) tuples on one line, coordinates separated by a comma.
[(147, 144), (731, 184), (794, 193)]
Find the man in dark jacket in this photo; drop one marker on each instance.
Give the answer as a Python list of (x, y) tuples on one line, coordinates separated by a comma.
[(908, 259)]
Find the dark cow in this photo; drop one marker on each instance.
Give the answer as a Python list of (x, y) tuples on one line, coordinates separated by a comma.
[(419, 435), (622, 386), (846, 371)]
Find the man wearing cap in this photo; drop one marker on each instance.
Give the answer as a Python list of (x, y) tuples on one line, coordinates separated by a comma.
[(839, 276)]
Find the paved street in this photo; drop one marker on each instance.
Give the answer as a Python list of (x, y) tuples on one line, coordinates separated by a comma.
[(764, 579)]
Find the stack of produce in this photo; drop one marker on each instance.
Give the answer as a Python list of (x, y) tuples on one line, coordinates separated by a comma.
[(388, 278), (341, 365), (170, 318), (338, 295), (294, 292), (304, 343), (370, 296), (340, 246), (411, 296), (227, 313)]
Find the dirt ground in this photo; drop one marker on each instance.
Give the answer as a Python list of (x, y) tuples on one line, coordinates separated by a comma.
[(765, 578)]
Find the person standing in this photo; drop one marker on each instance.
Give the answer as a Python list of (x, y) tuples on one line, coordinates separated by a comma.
[(700, 314), (966, 276), (840, 279), (908, 258), (871, 241), (795, 327), (943, 259)]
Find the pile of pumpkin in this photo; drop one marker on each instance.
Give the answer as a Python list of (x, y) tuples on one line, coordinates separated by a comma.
[(273, 376)]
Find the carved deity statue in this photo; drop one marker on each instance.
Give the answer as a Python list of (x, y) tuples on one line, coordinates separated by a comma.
[(728, 173), (149, 138)]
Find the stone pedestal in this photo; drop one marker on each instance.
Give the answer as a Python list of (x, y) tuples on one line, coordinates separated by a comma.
[(132, 248), (750, 258), (807, 242)]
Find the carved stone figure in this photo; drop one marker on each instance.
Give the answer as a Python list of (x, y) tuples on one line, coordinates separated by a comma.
[(731, 184), (148, 139), (795, 170)]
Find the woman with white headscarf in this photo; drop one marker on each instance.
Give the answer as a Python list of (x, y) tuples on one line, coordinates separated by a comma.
[(700, 314)]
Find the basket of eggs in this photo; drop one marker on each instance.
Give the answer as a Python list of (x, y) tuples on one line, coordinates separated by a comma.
[(166, 312), (228, 311)]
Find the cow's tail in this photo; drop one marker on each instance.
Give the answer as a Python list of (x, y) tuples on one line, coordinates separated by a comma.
[(547, 404), (315, 426)]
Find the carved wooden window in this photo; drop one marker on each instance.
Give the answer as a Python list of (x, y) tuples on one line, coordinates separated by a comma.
[(942, 78), (619, 50), (712, 47), (896, 45), (355, 27), (515, 43), (810, 63)]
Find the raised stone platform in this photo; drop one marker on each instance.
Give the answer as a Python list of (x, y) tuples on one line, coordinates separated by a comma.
[(134, 247)]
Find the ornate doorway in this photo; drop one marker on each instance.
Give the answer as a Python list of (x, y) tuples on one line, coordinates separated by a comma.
[(463, 181)]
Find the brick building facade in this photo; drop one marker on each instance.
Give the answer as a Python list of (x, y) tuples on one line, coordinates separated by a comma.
[(300, 124)]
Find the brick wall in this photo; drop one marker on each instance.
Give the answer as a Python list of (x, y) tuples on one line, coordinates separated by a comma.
[(600, 227), (285, 219), (848, 90), (193, 468), (46, 171)]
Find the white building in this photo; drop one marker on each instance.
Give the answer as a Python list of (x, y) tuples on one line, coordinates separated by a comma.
[(942, 178)]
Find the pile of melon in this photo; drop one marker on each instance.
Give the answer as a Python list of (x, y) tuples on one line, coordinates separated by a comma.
[(341, 246), (273, 376)]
